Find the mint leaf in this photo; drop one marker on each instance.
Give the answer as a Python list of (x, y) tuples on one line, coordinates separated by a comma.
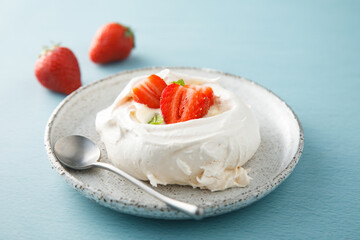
[(180, 82), (156, 120)]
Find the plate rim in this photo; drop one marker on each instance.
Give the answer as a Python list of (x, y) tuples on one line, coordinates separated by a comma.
[(103, 199)]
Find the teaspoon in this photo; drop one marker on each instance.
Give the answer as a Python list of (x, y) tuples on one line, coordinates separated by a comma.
[(78, 152)]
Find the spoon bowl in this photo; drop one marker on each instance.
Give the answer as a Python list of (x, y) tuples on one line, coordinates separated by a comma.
[(77, 152)]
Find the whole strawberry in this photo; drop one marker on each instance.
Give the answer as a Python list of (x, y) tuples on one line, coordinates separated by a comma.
[(58, 69), (112, 42)]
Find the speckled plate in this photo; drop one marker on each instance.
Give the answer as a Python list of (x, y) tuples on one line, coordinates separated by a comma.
[(280, 149)]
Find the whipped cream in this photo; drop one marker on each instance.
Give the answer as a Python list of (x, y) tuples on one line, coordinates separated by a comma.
[(207, 153)]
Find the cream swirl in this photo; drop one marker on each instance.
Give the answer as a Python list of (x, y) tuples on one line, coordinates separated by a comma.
[(207, 153)]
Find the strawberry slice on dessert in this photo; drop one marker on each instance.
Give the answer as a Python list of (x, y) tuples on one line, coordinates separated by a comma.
[(149, 90), (182, 103), (205, 90)]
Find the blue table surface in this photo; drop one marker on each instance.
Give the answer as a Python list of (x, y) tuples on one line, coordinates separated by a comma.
[(307, 52)]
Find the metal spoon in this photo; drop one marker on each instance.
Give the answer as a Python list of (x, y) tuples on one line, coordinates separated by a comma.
[(80, 153)]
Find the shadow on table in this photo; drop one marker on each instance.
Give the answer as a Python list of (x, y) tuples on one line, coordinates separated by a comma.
[(133, 62)]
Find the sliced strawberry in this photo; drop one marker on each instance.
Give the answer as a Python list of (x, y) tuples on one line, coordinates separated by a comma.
[(148, 91), (206, 90), (170, 101), (180, 104), (197, 105)]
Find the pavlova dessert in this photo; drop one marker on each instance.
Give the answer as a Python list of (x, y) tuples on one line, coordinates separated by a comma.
[(171, 128)]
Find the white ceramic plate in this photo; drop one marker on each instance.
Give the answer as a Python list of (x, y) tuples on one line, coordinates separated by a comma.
[(281, 146)]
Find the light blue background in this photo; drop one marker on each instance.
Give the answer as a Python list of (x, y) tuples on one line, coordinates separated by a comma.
[(307, 52)]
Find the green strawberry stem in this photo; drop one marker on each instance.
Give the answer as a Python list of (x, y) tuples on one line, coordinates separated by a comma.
[(180, 82), (46, 49), (130, 33)]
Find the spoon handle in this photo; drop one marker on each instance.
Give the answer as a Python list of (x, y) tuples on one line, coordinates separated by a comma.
[(190, 209)]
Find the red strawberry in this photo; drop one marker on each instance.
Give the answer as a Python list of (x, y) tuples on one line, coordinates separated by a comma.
[(112, 42), (148, 91), (206, 90), (180, 104), (58, 69)]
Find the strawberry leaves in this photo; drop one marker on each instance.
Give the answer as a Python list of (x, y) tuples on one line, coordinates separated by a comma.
[(180, 82)]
